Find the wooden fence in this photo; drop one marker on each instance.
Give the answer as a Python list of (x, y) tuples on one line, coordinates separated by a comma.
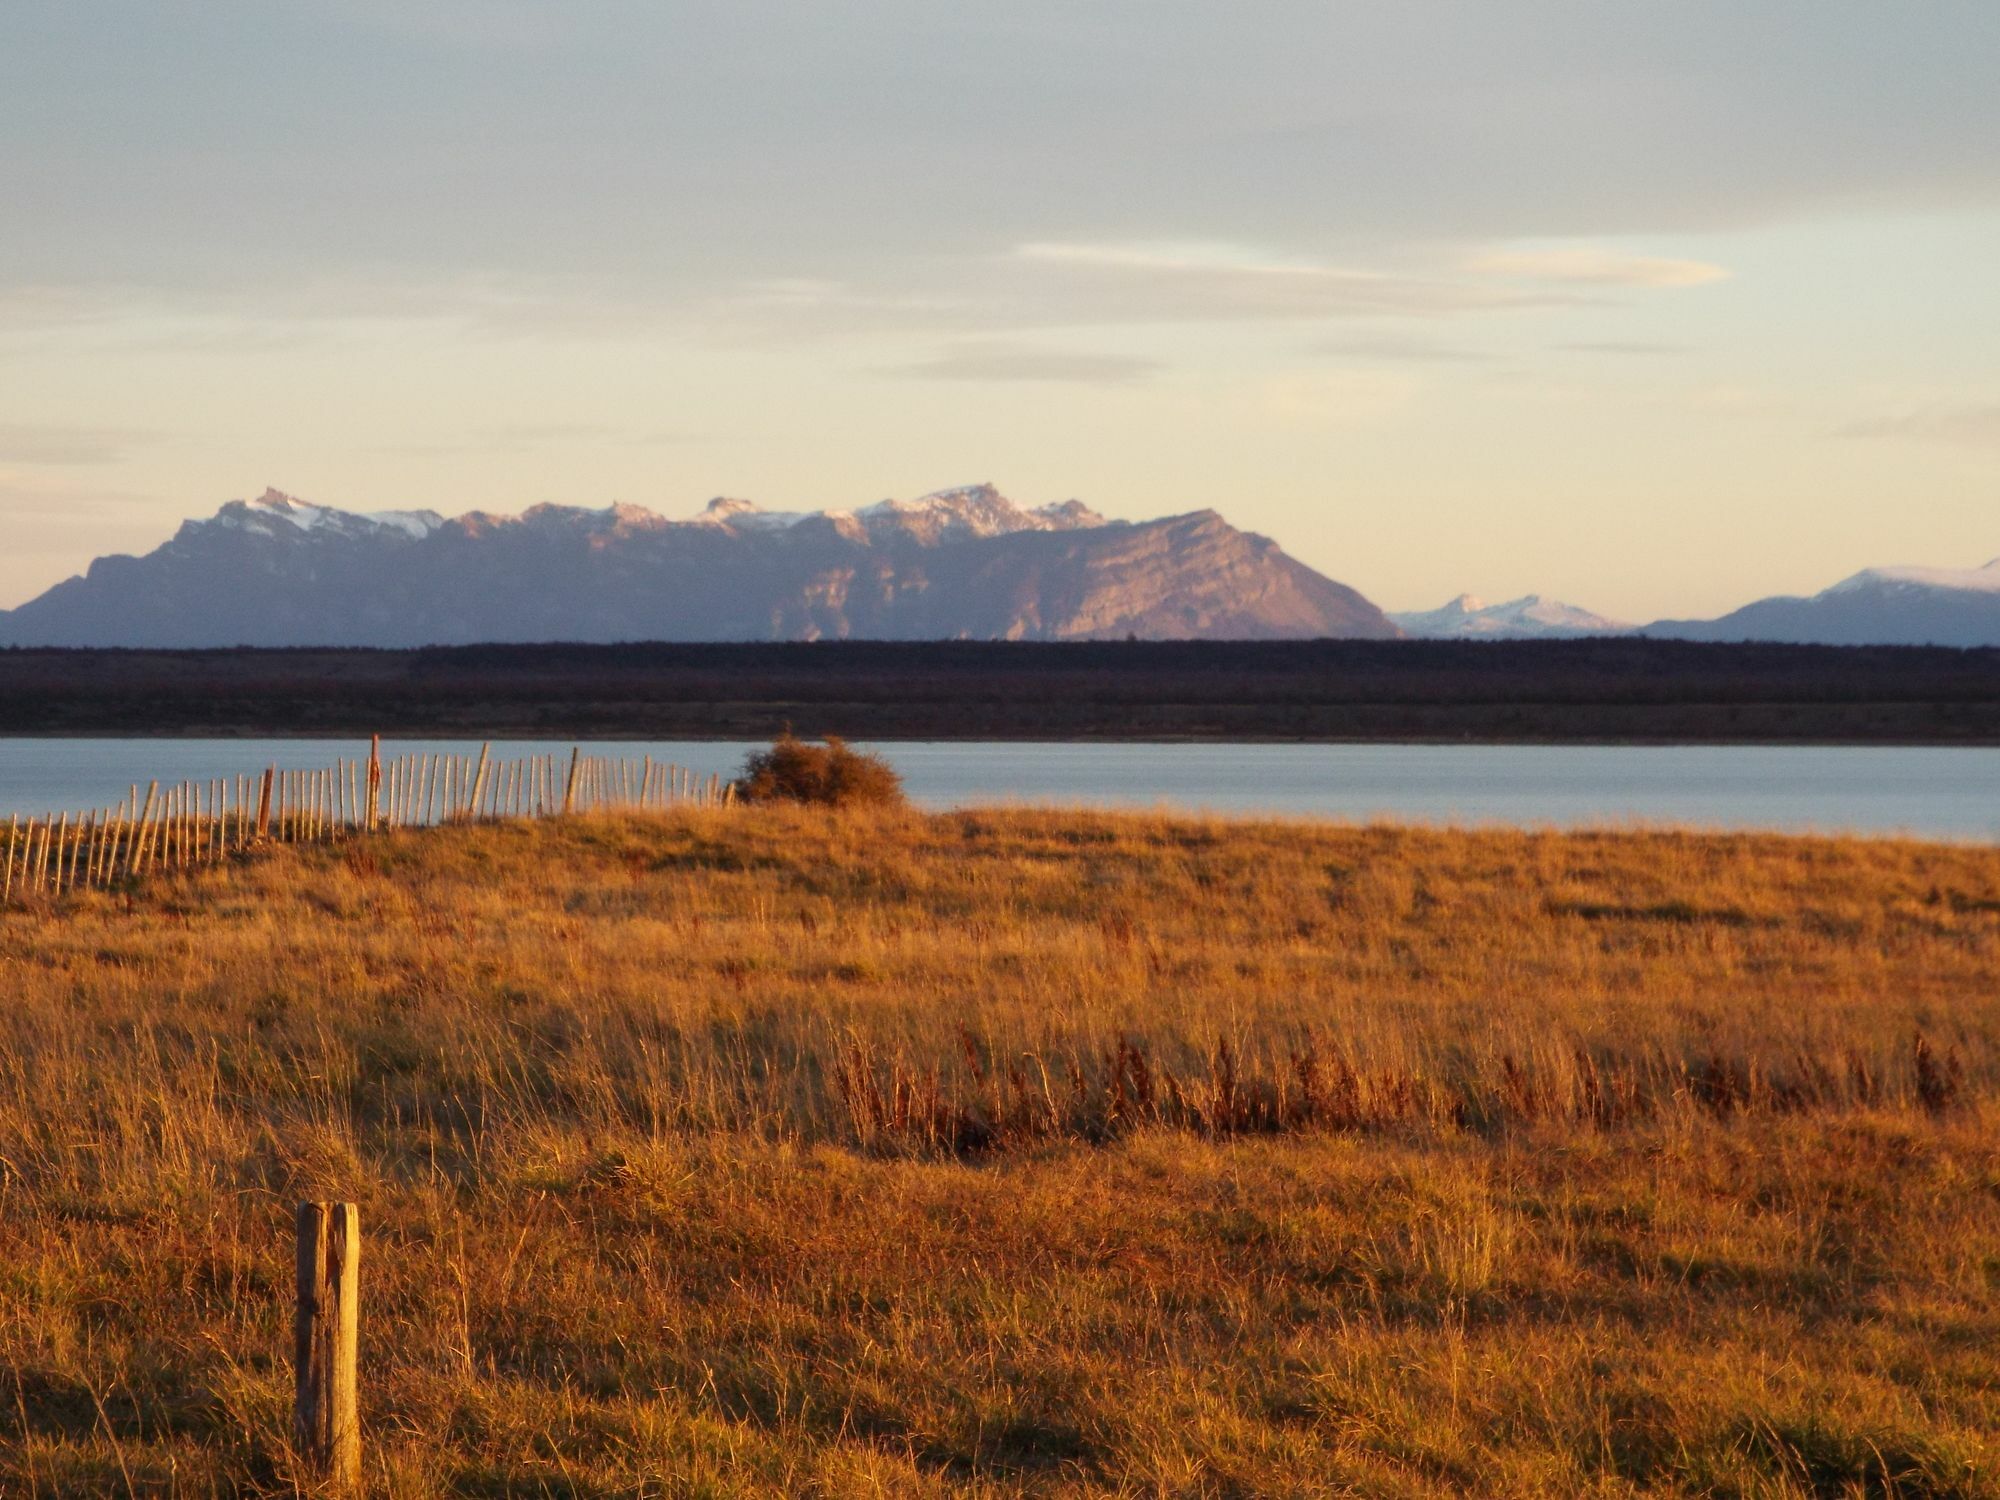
[(198, 823)]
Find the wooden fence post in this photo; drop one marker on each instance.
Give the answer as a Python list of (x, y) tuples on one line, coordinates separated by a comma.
[(264, 804), (374, 781), (135, 861), (569, 787), (326, 1416), (475, 799)]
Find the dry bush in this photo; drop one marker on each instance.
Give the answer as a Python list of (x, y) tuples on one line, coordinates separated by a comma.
[(830, 774)]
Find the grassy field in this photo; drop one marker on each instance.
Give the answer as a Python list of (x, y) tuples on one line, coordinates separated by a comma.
[(776, 1153)]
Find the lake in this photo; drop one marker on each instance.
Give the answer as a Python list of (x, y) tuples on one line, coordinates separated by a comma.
[(1931, 793)]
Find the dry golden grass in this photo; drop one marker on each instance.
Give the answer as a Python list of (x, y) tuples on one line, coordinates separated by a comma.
[(780, 1152)]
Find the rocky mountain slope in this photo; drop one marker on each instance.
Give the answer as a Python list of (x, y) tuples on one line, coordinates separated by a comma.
[(1875, 607), (964, 563), (1528, 618)]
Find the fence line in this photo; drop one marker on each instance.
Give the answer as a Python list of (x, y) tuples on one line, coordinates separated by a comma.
[(192, 823)]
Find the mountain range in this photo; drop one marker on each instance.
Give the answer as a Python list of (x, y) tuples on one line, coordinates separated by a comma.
[(963, 563), (958, 564), (1875, 607)]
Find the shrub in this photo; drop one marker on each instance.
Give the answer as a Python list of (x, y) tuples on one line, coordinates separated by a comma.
[(828, 774)]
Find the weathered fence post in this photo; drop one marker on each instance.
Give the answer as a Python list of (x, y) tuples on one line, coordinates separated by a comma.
[(569, 787), (136, 854), (326, 1416), (374, 781), (475, 802)]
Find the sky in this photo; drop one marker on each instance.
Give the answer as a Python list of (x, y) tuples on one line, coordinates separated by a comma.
[(1655, 308)]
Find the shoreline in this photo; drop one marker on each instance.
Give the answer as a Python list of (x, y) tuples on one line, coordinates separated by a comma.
[(501, 736)]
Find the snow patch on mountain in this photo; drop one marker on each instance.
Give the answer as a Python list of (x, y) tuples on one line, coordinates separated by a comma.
[(1984, 580), (274, 509), (975, 510), (969, 511)]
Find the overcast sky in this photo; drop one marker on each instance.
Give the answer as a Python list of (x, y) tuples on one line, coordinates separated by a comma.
[(1652, 307)]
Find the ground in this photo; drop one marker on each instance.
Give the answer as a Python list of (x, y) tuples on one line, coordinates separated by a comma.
[(754, 1152)]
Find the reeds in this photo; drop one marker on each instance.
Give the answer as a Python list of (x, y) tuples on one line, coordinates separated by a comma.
[(890, 1103)]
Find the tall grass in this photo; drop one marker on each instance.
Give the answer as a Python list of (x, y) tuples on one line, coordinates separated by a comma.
[(784, 1151)]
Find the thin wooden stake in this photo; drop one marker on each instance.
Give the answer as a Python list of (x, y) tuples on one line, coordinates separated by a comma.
[(62, 846), (138, 848), (100, 851), (86, 839), (478, 797), (326, 1345)]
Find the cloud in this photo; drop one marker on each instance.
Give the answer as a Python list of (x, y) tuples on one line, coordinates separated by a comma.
[(1045, 286), (1588, 265), (1965, 424), (1633, 348), (34, 444), (1178, 282), (979, 361), (1401, 350), (688, 147)]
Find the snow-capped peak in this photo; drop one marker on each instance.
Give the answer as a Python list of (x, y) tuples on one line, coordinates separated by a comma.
[(1530, 615), (1984, 580), (274, 509), (977, 510), (747, 515)]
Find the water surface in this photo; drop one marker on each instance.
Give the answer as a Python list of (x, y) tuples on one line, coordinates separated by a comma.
[(1931, 793)]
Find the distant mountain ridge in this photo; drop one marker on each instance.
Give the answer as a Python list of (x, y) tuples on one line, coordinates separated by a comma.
[(964, 563), (960, 563), (1530, 617), (1891, 606), (1899, 606)]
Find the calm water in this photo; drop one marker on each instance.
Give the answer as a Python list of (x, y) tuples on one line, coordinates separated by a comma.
[(1932, 793)]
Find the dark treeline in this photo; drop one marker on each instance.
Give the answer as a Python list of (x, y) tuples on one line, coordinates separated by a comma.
[(1558, 690)]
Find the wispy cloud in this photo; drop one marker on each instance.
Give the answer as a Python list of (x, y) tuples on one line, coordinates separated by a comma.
[(35, 444), (1591, 265), (1406, 351), (1173, 281), (1193, 256), (1622, 348), (1974, 425), (1003, 362)]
